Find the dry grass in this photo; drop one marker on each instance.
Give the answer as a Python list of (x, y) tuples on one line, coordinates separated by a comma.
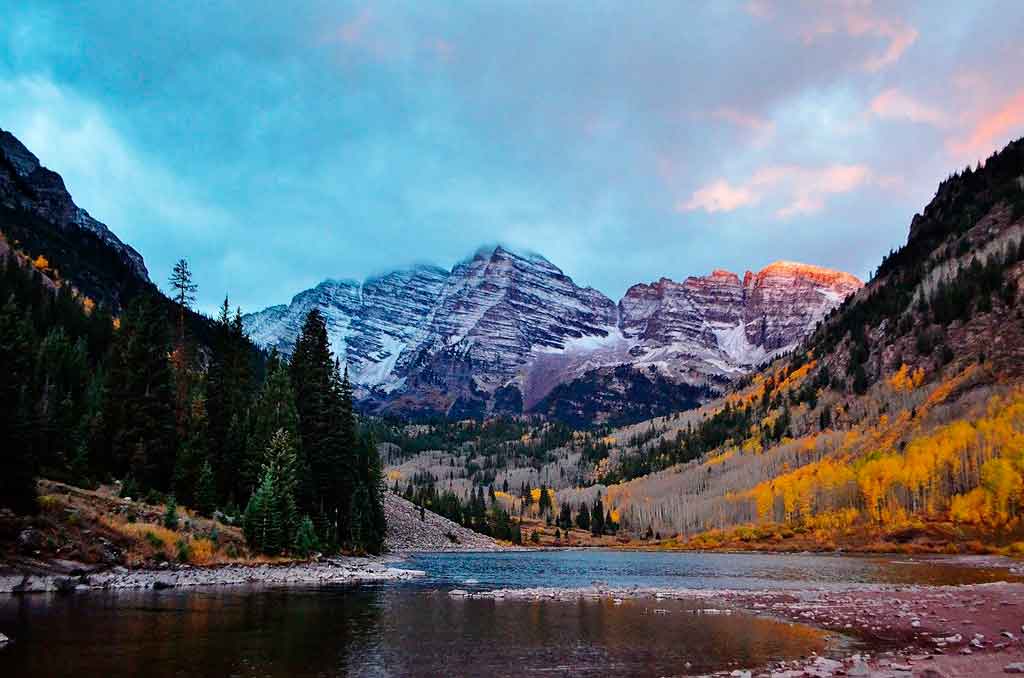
[(76, 522)]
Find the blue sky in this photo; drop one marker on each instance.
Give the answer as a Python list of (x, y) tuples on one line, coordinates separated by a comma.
[(276, 144)]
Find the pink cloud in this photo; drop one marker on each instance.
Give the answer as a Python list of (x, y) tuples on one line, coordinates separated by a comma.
[(991, 129), (748, 121), (856, 18), (719, 196), (803, 190), (893, 104), (900, 37)]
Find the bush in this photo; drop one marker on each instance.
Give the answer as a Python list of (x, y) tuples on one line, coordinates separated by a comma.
[(155, 541), (183, 551), (305, 538), (201, 551), (171, 515)]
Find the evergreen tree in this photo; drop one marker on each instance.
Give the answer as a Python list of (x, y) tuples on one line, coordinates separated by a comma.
[(141, 402), (17, 481), (305, 538), (273, 410), (206, 491), (271, 517), (597, 518), (544, 502), (565, 516), (229, 392), (583, 517), (312, 373), (192, 455), (183, 291), (372, 499), (171, 514)]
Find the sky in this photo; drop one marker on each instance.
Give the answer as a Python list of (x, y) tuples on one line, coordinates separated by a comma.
[(276, 144)]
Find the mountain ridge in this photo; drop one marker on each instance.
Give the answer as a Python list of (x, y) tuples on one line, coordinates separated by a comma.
[(500, 330)]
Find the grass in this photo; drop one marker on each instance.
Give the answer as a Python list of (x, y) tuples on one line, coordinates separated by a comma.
[(80, 524)]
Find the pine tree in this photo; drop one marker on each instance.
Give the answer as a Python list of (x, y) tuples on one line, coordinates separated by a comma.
[(305, 538), (17, 481), (273, 410), (583, 517), (183, 291), (193, 454), (230, 387), (371, 499), (271, 517), (597, 518), (206, 491), (171, 514), (311, 377), (141, 402), (544, 502), (257, 513)]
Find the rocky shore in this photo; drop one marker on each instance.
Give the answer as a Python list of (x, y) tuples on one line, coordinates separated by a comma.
[(67, 577), (926, 631)]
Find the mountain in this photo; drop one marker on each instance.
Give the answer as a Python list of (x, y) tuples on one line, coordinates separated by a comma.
[(39, 217), (504, 332), (897, 424)]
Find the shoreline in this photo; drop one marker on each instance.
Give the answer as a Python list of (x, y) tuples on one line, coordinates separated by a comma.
[(69, 577), (911, 629)]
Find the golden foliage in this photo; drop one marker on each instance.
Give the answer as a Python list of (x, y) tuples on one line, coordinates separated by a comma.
[(906, 380), (41, 263)]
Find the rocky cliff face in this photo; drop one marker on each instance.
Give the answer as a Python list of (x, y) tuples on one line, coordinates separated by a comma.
[(39, 217), (720, 325), (26, 186), (502, 330)]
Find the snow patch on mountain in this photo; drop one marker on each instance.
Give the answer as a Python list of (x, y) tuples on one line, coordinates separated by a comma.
[(503, 320)]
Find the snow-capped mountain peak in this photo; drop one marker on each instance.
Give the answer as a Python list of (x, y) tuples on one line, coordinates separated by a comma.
[(500, 330)]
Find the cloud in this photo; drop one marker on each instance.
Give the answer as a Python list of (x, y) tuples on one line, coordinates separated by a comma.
[(76, 138), (761, 128), (854, 18), (899, 35), (803, 190), (720, 196), (894, 104), (991, 129)]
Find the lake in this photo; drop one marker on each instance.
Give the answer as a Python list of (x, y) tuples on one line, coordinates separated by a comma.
[(417, 629)]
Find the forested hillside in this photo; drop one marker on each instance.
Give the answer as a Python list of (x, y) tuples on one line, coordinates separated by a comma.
[(905, 408), (107, 380)]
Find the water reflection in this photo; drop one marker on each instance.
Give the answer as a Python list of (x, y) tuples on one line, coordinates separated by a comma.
[(699, 570), (388, 631), (419, 630)]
